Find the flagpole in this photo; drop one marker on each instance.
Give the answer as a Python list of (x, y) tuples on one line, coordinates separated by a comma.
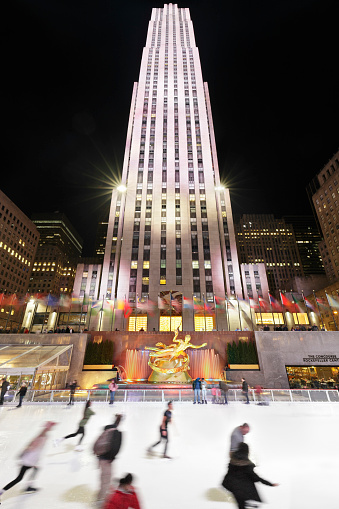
[(272, 310), (335, 324), (10, 310), (239, 313), (69, 312), (308, 315), (90, 314), (284, 312), (113, 311), (321, 318), (227, 316), (193, 312), (170, 310), (296, 308), (251, 317), (203, 298), (42, 326), (101, 312), (34, 311), (216, 312), (262, 323), (123, 320), (135, 315), (147, 312)]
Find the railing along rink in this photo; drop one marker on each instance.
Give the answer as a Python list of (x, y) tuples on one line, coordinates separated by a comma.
[(133, 395)]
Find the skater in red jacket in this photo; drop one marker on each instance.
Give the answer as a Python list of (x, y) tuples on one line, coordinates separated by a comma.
[(124, 497)]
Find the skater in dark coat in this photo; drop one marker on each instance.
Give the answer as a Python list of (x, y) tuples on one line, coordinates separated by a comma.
[(241, 478)]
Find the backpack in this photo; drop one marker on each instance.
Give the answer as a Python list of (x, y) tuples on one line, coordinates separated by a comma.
[(108, 442)]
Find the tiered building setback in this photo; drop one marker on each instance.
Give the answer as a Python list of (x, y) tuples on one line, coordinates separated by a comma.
[(170, 225)]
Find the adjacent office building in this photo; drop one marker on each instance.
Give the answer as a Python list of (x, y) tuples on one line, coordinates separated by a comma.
[(324, 194), (170, 230), (264, 239), (58, 253), (18, 244)]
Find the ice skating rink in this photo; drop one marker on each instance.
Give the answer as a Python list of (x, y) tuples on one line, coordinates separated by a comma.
[(296, 445)]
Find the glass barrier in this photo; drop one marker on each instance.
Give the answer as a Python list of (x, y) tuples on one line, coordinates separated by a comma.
[(165, 395)]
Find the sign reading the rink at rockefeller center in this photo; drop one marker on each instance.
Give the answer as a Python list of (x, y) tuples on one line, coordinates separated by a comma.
[(314, 359)]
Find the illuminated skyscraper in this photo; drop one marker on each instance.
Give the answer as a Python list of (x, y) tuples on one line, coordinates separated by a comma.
[(171, 228)]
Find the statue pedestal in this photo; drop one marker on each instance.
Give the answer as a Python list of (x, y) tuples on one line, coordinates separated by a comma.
[(166, 374), (182, 377)]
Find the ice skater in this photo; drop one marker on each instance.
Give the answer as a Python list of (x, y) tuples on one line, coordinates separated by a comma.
[(4, 389), (106, 448), (30, 459), (244, 389), (167, 418), (224, 389), (237, 437), (21, 393), (196, 388), (72, 387), (112, 390), (203, 391), (81, 429), (241, 478), (124, 497)]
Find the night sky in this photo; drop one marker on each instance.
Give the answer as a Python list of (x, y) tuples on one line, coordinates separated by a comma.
[(68, 72)]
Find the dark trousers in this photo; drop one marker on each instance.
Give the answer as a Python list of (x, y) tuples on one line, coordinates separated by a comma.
[(20, 399), (245, 393), (22, 472), (71, 398), (2, 395), (163, 436), (80, 431)]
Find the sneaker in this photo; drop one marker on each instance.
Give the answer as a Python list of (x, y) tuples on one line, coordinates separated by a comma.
[(30, 489), (194, 402)]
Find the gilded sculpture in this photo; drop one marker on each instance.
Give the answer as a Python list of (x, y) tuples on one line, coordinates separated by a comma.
[(170, 363)]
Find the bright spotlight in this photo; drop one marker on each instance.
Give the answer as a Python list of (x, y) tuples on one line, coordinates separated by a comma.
[(122, 188)]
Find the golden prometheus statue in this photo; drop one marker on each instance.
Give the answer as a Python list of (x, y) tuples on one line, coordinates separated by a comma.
[(171, 363)]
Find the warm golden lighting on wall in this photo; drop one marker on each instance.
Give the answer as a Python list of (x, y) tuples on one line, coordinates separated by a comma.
[(170, 323), (203, 323), (135, 323)]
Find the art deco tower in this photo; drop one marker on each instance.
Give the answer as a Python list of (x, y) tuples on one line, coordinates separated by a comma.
[(172, 228)]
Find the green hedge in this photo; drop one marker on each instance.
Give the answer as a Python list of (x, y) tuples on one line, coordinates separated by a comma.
[(242, 353), (99, 353)]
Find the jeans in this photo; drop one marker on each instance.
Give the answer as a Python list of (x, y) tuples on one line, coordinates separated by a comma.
[(20, 399), (196, 395), (112, 396), (203, 394), (245, 393)]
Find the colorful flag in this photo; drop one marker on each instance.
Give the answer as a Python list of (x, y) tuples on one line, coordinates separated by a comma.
[(127, 309), (219, 303), (96, 304), (290, 306), (274, 303), (161, 303), (254, 305), (52, 300), (264, 305), (198, 305), (188, 303), (297, 304), (333, 301)]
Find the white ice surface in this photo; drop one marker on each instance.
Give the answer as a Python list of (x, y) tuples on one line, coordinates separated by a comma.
[(296, 445)]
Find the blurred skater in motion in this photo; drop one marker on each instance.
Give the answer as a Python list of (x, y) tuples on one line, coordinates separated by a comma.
[(106, 448), (124, 497), (21, 393), (164, 430), (237, 437), (244, 389), (30, 458), (81, 429), (241, 478)]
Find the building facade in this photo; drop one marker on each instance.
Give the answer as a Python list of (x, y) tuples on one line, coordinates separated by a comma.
[(18, 244), (170, 227), (264, 239), (324, 194), (57, 255)]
